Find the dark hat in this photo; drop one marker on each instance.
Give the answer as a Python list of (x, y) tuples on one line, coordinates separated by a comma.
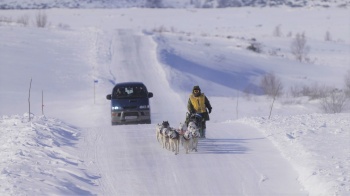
[(196, 88)]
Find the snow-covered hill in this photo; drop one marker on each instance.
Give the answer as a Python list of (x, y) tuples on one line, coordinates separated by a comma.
[(70, 148), (43, 4)]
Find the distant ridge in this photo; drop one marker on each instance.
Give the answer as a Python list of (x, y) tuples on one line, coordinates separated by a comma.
[(45, 4)]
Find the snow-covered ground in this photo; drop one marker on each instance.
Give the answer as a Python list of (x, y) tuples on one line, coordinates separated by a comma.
[(70, 148), (48, 4)]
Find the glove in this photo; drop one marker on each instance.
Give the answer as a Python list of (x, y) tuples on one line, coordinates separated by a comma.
[(209, 110)]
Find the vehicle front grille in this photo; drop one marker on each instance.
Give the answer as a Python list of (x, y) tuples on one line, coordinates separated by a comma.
[(130, 107), (131, 113)]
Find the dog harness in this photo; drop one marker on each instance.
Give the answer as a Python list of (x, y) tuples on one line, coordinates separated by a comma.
[(198, 103), (174, 135), (187, 136)]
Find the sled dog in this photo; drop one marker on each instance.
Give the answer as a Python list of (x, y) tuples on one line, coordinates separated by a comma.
[(161, 133), (159, 128), (174, 140), (187, 140), (182, 129), (165, 138), (194, 130)]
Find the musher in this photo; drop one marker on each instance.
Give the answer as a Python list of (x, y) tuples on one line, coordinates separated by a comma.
[(199, 103)]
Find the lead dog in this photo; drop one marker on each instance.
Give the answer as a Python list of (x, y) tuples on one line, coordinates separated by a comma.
[(174, 140), (160, 129), (165, 137), (182, 129), (194, 130), (186, 137)]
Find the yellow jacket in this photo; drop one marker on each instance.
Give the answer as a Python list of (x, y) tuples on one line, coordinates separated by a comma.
[(198, 103)]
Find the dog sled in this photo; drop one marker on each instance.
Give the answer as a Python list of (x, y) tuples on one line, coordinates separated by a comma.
[(198, 120)]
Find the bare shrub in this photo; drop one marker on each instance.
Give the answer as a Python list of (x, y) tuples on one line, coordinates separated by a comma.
[(313, 91), (271, 85), (219, 58), (248, 91), (41, 19), (347, 84), (160, 29), (291, 101), (24, 20), (328, 36), (295, 91), (4, 19), (335, 101), (255, 47), (277, 31), (63, 26), (316, 91), (275, 52), (299, 48), (347, 80), (154, 3), (278, 90)]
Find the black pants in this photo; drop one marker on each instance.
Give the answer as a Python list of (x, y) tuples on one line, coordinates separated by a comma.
[(204, 126)]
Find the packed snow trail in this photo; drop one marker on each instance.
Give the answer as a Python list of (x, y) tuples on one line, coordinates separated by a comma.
[(235, 159), (134, 58)]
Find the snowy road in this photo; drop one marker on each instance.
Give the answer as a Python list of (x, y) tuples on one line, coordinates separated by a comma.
[(134, 58), (235, 159)]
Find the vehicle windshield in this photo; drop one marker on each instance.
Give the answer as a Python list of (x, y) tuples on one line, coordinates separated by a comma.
[(129, 92)]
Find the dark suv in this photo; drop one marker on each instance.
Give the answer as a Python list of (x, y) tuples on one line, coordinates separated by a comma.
[(130, 103)]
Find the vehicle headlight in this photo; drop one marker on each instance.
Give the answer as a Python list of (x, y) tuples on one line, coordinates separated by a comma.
[(144, 106), (116, 108)]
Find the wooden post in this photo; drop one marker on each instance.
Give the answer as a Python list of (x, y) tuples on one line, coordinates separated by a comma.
[(30, 86), (95, 82), (274, 98), (94, 92), (237, 105), (42, 102)]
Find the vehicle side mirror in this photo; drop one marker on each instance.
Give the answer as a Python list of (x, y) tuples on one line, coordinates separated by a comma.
[(150, 95), (109, 97)]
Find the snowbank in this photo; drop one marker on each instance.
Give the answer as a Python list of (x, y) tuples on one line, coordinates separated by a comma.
[(317, 145), (41, 152)]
